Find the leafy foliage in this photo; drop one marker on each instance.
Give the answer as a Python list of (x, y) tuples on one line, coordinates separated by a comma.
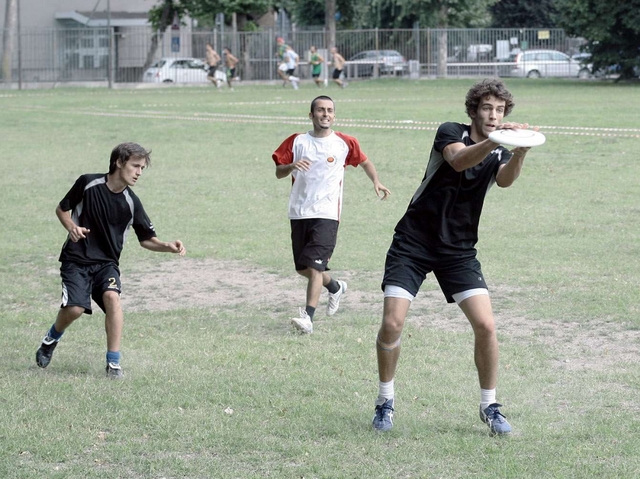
[(163, 13), (312, 12), (611, 28), (428, 13), (524, 14), (209, 8)]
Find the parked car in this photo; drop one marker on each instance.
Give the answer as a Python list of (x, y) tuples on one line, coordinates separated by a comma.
[(389, 62), (177, 70), (610, 71), (544, 63)]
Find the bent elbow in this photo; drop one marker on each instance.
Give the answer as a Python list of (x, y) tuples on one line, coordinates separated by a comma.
[(457, 167)]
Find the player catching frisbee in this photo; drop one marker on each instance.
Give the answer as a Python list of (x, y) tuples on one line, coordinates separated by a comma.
[(97, 213), (438, 234)]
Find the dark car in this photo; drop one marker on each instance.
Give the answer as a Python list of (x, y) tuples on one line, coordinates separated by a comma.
[(389, 62)]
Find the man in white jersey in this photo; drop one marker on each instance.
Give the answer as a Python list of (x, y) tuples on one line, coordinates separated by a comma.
[(438, 234), (316, 160)]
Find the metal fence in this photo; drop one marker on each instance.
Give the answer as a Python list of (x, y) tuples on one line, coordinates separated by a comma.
[(77, 55)]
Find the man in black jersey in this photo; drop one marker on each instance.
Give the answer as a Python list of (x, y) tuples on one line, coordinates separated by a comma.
[(438, 234), (97, 212)]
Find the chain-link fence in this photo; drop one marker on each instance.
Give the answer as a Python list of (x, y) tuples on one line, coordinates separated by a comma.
[(77, 55)]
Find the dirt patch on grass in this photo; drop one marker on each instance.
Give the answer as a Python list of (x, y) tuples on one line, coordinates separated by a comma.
[(219, 285)]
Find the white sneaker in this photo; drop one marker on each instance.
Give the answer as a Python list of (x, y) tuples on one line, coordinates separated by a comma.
[(303, 323), (334, 299)]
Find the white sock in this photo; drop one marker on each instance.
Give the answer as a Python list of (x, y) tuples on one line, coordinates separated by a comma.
[(487, 397), (385, 391)]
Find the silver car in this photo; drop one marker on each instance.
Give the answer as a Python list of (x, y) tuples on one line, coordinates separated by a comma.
[(389, 62), (544, 63)]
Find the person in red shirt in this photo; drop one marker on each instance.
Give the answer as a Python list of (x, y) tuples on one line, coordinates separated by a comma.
[(316, 161)]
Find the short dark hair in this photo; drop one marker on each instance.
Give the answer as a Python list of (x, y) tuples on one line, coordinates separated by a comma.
[(488, 87), (321, 97), (125, 151)]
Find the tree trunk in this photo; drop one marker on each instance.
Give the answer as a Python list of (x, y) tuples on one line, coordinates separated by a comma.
[(330, 22), (165, 20), (443, 23), (8, 37), (441, 66)]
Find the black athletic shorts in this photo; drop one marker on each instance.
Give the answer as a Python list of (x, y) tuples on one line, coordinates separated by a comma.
[(212, 70), (290, 71), (336, 74), (408, 263), (313, 241), (81, 282)]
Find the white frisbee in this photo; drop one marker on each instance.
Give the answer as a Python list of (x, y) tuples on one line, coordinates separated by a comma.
[(526, 138)]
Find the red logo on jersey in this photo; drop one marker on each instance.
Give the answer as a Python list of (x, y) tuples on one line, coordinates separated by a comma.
[(331, 159)]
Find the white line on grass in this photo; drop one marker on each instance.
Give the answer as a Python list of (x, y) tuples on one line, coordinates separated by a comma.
[(356, 123)]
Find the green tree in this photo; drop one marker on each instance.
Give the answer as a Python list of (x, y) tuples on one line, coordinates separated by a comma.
[(612, 30), (161, 17), (524, 14), (428, 13), (312, 12), (245, 10)]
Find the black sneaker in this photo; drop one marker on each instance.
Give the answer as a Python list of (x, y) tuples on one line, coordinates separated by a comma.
[(383, 417), (45, 351), (493, 418), (114, 371)]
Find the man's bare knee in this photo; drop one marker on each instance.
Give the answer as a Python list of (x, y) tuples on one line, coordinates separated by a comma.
[(111, 299), (71, 313)]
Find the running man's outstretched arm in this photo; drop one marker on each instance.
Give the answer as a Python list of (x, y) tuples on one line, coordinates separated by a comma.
[(154, 244), (371, 172)]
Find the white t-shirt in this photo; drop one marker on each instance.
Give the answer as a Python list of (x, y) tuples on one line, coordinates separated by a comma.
[(317, 193), (293, 58)]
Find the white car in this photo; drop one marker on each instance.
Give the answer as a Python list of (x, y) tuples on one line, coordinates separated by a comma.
[(177, 70)]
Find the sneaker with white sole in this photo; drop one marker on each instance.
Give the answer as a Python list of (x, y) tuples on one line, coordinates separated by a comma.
[(334, 299), (493, 418), (383, 417), (114, 371), (45, 351), (303, 323)]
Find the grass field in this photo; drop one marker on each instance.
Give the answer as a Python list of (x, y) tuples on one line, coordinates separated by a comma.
[(217, 383)]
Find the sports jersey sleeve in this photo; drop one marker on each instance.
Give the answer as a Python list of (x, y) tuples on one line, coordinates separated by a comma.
[(447, 134), (74, 195), (284, 154), (141, 223), (355, 155)]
